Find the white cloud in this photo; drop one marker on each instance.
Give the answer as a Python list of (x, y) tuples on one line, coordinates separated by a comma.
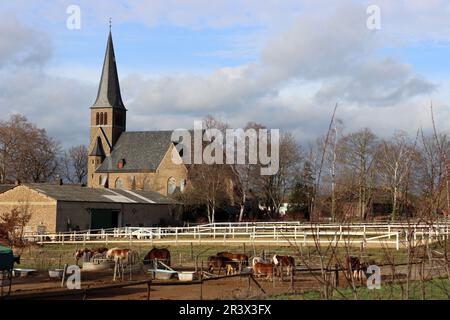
[(326, 55)]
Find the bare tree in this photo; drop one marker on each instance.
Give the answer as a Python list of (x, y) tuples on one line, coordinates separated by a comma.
[(275, 188), (394, 160), (74, 164), (28, 153), (358, 155)]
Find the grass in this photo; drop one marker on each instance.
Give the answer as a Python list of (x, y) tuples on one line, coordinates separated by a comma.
[(436, 289), (56, 255)]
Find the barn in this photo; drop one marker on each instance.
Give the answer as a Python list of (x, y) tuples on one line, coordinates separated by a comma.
[(60, 208)]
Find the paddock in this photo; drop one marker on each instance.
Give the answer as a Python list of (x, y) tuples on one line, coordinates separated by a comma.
[(139, 285)]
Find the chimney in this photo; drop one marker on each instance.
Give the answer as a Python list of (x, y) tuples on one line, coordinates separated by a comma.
[(58, 180)]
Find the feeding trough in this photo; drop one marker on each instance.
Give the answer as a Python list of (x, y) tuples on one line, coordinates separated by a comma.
[(186, 275), (18, 272), (161, 271), (57, 273), (98, 265), (247, 270), (160, 274)]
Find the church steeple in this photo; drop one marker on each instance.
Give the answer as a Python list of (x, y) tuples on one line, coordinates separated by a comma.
[(109, 89), (108, 114)]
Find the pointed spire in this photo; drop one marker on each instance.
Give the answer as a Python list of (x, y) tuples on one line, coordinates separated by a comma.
[(109, 89)]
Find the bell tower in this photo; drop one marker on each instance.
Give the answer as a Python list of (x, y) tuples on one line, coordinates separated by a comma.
[(108, 113)]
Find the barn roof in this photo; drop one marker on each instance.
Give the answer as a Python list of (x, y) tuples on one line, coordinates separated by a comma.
[(5, 187), (77, 193), (142, 151)]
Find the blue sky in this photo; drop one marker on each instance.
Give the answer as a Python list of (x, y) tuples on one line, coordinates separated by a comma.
[(281, 63)]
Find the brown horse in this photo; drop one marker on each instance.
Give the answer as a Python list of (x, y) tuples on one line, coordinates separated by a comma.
[(80, 252), (220, 263), (284, 261), (354, 267), (239, 257), (119, 254), (162, 255), (260, 268)]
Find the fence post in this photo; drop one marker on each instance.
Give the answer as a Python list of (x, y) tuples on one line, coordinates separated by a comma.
[(398, 240), (389, 231)]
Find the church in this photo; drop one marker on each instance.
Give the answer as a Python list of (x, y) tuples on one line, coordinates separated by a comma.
[(120, 159)]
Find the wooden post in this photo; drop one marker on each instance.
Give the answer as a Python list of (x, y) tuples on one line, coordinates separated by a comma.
[(336, 276), (148, 290), (201, 282), (196, 264), (192, 251), (292, 279), (397, 244)]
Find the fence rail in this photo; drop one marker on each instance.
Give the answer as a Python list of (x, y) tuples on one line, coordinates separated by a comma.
[(274, 232)]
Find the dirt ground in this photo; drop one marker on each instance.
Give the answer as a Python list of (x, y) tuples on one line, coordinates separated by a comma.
[(225, 288)]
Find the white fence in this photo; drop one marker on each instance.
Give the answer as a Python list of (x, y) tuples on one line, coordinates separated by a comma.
[(368, 234)]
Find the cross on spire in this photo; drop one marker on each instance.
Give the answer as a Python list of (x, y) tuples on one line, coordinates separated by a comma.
[(110, 24)]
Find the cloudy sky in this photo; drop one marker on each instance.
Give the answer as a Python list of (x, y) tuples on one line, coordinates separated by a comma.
[(281, 63)]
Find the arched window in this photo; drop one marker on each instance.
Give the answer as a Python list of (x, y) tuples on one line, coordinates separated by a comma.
[(97, 119), (119, 184), (105, 119), (100, 180), (101, 118), (171, 185)]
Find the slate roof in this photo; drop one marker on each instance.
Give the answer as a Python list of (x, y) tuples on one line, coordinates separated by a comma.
[(109, 89), (142, 151), (77, 193), (5, 187), (97, 151)]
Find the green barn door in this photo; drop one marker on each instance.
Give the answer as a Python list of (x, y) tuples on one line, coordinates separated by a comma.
[(104, 218)]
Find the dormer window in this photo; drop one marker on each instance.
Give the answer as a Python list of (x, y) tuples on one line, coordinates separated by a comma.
[(121, 164)]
